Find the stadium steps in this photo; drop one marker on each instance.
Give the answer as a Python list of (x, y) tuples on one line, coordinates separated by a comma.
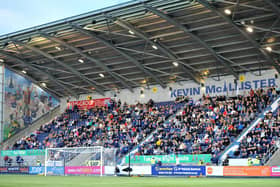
[(234, 145), (274, 159), (47, 117), (80, 159)]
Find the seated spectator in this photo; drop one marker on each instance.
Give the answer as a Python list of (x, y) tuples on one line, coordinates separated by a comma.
[(116, 126), (204, 126), (258, 142)]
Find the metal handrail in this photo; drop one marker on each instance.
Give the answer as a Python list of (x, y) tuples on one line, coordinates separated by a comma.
[(270, 152)]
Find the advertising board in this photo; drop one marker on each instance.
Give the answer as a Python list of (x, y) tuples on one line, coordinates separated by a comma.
[(248, 171), (39, 170), (214, 170), (179, 170), (14, 170), (170, 159), (83, 170), (275, 171)]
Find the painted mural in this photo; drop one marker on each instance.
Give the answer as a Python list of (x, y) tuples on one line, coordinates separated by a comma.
[(23, 103)]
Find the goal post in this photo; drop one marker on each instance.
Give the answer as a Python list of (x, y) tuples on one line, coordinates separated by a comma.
[(95, 160)]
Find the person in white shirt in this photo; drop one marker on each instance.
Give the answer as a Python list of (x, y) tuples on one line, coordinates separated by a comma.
[(177, 160)]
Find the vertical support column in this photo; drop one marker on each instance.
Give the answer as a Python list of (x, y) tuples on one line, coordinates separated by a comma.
[(64, 161), (129, 164), (101, 162), (2, 94), (46, 157)]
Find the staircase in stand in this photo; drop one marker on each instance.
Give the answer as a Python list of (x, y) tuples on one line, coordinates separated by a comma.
[(234, 145)]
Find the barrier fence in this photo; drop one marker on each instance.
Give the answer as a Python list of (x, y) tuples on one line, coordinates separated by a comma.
[(34, 160)]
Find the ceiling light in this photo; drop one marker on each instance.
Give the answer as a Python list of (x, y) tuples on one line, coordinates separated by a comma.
[(44, 84), (155, 47), (175, 64), (228, 11), (249, 29), (58, 48), (101, 75), (23, 71), (1, 60), (271, 40), (205, 72), (268, 48), (144, 81), (81, 60), (131, 32)]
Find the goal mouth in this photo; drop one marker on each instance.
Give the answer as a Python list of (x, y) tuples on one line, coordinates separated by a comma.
[(80, 161)]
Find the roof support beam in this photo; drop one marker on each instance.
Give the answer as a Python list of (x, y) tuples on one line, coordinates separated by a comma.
[(193, 36), (51, 69), (51, 77), (165, 73), (128, 80), (256, 45), (243, 5), (127, 56), (274, 7), (270, 29), (77, 73), (74, 86), (142, 52), (91, 59), (196, 77)]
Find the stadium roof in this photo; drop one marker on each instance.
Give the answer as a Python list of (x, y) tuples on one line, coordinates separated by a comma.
[(148, 42)]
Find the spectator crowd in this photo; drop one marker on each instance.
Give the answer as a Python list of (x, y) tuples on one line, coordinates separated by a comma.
[(205, 126), (209, 125)]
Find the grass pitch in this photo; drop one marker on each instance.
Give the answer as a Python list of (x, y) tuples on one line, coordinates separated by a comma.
[(77, 181)]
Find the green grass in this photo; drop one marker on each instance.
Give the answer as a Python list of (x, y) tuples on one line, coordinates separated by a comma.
[(77, 181)]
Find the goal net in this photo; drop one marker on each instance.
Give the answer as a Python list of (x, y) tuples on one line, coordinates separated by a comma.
[(80, 161)]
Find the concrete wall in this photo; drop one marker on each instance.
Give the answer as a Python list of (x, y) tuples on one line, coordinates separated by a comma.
[(212, 86)]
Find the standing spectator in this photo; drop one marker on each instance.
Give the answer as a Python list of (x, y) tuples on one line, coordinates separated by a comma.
[(19, 160), (10, 161), (6, 160), (153, 161), (177, 160)]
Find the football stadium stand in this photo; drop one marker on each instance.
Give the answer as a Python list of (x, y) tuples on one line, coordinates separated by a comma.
[(205, 126), (170, 87)]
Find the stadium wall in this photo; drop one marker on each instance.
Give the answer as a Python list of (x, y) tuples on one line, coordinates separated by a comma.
[(225, 85)]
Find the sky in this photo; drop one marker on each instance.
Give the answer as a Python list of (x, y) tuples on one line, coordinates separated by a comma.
[(21, 14)]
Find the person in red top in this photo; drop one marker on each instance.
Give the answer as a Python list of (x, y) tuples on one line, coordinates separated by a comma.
[(230, 127), (6, 159), (252, 93)]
